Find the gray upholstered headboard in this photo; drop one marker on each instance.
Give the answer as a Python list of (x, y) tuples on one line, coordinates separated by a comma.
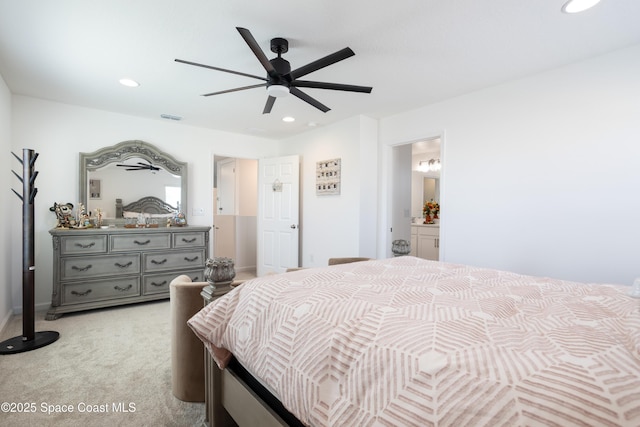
[(147, 205)]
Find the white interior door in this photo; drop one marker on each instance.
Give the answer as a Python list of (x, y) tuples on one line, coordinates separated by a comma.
[(278, 214)]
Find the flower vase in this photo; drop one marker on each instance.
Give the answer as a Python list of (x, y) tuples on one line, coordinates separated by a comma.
[(428, 219)]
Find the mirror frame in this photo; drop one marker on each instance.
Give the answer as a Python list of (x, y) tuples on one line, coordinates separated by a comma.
[(123, 151)]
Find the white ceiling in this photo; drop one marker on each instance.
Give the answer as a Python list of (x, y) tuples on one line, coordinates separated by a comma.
[(413, 52)]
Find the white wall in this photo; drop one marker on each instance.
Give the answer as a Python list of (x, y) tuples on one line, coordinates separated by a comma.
[(345, 224), (540, 176), (58, 132), (10, 201)]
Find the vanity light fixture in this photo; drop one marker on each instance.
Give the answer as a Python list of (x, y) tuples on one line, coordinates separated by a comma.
[(576, 6), (129, 82), (432, 165)]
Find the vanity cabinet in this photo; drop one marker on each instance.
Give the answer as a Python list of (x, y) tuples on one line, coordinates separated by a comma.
[(104, 267), (425, 241)]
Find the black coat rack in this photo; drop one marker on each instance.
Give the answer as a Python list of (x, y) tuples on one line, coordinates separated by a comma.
[(29, 340)]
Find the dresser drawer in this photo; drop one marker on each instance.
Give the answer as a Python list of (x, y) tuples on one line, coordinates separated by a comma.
[(159, 261), (84, 267), (188, 240), (76, 245), (158, 283), (99, 290), (137, 242)]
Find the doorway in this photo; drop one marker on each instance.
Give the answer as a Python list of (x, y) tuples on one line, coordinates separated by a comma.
[(235, 198), (417, 165)]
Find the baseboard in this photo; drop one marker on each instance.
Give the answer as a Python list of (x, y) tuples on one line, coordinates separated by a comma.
[(38, 307), (243, 269)]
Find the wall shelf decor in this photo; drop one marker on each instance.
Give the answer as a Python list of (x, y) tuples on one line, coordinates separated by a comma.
[(328, 176)]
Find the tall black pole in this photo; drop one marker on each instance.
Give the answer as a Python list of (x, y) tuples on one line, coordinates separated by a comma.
[(28, 269), (29, 340)]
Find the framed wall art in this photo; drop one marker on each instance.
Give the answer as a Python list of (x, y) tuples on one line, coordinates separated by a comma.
[(328, 176)]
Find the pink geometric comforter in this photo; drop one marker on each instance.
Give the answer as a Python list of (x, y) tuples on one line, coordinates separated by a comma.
[(410, 342)]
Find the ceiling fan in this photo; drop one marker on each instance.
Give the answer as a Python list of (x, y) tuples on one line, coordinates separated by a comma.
[(139, 166), (281, 80)]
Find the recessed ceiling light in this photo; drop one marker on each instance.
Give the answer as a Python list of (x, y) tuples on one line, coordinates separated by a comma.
[(575, 6), (288, 119), (129, 83)]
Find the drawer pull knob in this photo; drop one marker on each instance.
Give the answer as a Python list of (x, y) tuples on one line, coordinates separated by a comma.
[(81, 269), (81, 294), (188, 240), (153, 261), (80, 245), (146, 242), (117, 264), (164, 282), (191, 259), (126, 288)]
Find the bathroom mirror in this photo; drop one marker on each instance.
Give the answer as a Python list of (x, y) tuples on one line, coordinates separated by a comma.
[(130, 171), (431, 190)]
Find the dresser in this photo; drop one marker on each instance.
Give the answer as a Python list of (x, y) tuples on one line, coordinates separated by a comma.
[(104, 267)]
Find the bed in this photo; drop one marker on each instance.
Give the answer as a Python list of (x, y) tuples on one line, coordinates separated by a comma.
[(411, 342), (150, 205)]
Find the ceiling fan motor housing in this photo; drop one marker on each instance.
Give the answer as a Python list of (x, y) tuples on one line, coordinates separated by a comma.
[(283, 68), (281, 65)]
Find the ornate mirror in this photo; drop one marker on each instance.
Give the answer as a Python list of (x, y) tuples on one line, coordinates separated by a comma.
[(132, 176)]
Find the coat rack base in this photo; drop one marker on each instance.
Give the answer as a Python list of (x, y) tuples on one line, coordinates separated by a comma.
[(21, 344)]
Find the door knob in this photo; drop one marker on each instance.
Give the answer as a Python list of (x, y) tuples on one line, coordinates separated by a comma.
[(293, 226)]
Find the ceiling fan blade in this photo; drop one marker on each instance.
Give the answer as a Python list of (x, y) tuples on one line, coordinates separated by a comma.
[(269, 105), (334, 86), (322, 62), (134, 167), (255, 47), (234, 90), (306, 98), (211, 67)]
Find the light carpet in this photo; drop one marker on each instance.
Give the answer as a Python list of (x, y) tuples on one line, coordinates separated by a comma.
[(111, 367)]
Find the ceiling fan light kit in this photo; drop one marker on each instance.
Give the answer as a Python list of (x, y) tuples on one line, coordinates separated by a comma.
[(280, 80), (277, 91)]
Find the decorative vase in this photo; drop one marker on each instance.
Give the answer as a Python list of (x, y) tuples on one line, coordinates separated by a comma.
[(219, 271)]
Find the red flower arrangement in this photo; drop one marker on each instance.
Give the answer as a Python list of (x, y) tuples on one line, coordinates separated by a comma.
[(430, 211)]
